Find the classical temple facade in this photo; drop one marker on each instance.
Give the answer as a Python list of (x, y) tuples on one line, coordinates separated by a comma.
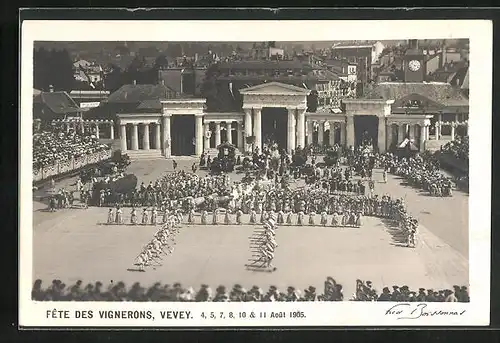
[(277, 112)]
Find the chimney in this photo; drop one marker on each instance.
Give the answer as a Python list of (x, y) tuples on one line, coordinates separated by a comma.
[(51, 89), (135, 82)]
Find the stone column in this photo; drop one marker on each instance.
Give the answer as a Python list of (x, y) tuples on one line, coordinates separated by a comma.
[(422, 138), (388, 135), (157, 136), (350, 131), (301, 126), (381, 134), (342, 134), (291, 130), (321, 133), (217, 134), (206, 139), (123, 137), (332, 133), (198, 150), (411, 131), (112, 131), (229, 130), (401, 132), (145, 137), (310, 130), (452, 131), (135, 137), (257, 128), (241, 136), (248, 128), (167, 146), (97, 130)]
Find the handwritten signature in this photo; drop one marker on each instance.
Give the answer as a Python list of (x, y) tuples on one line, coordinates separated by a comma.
[(417, 310)]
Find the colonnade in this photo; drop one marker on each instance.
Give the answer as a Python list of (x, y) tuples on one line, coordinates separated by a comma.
[(93, 125), (320, 126), (438, 125), (146, 129), (215, 127), (156, 131), (160, 131), (416, 132)]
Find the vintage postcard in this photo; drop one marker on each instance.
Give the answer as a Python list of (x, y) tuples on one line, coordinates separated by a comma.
[(255, 173)]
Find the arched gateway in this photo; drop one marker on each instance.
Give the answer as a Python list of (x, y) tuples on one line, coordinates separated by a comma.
[(271, 112)]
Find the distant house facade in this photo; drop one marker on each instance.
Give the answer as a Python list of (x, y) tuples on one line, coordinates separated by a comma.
[(364, 55)]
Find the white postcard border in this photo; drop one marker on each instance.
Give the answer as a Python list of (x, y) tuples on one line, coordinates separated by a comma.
[(479, 32)]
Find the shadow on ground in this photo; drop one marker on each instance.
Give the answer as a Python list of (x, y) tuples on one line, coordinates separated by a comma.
[(398, 238)]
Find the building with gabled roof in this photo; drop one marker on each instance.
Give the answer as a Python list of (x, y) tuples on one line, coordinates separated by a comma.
[(54, 105)]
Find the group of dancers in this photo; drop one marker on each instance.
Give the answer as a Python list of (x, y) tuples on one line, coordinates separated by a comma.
[(265, 245), (162, 243), (147, 217)]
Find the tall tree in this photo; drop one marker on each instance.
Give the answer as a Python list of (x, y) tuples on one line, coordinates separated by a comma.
[(115, 79), (161, 62), (41, 69), (65, 71), (135, 69)]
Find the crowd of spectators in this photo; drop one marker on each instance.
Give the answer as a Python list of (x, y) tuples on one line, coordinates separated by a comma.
[(50, 147), (459, 148), (332, 291), (420, 171)]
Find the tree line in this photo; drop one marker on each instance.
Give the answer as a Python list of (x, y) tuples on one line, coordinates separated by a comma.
[(54, 68)]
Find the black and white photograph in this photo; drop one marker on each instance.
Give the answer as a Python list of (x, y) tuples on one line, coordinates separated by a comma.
[(289, 175)]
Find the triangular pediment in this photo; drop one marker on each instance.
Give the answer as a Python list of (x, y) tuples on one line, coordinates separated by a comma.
[(274, 88), (417, 101)]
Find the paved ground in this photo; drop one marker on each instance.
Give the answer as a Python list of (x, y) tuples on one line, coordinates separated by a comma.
[(76, 245), (72, 244)]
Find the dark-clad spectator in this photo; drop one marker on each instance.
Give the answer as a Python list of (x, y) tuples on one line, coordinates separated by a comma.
[(36, 293), (464, 295), (221, 294), (421, 297), (204, 294), (396, 294), (386, 295), (310, 294)]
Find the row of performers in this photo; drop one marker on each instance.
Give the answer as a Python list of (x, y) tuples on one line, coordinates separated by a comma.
[(150, 217), (264, 244), (384, 206), (317, 200), (164, 238)]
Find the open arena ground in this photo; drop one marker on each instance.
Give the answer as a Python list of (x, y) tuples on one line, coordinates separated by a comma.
[(73, 244)]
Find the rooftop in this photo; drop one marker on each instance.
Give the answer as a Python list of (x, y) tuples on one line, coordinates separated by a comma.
[(57, 102), (440, 92), (354, 44), (146, 96), (263, 65)]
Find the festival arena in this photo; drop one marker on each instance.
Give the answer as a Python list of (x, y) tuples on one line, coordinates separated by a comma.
[(356, 258)]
